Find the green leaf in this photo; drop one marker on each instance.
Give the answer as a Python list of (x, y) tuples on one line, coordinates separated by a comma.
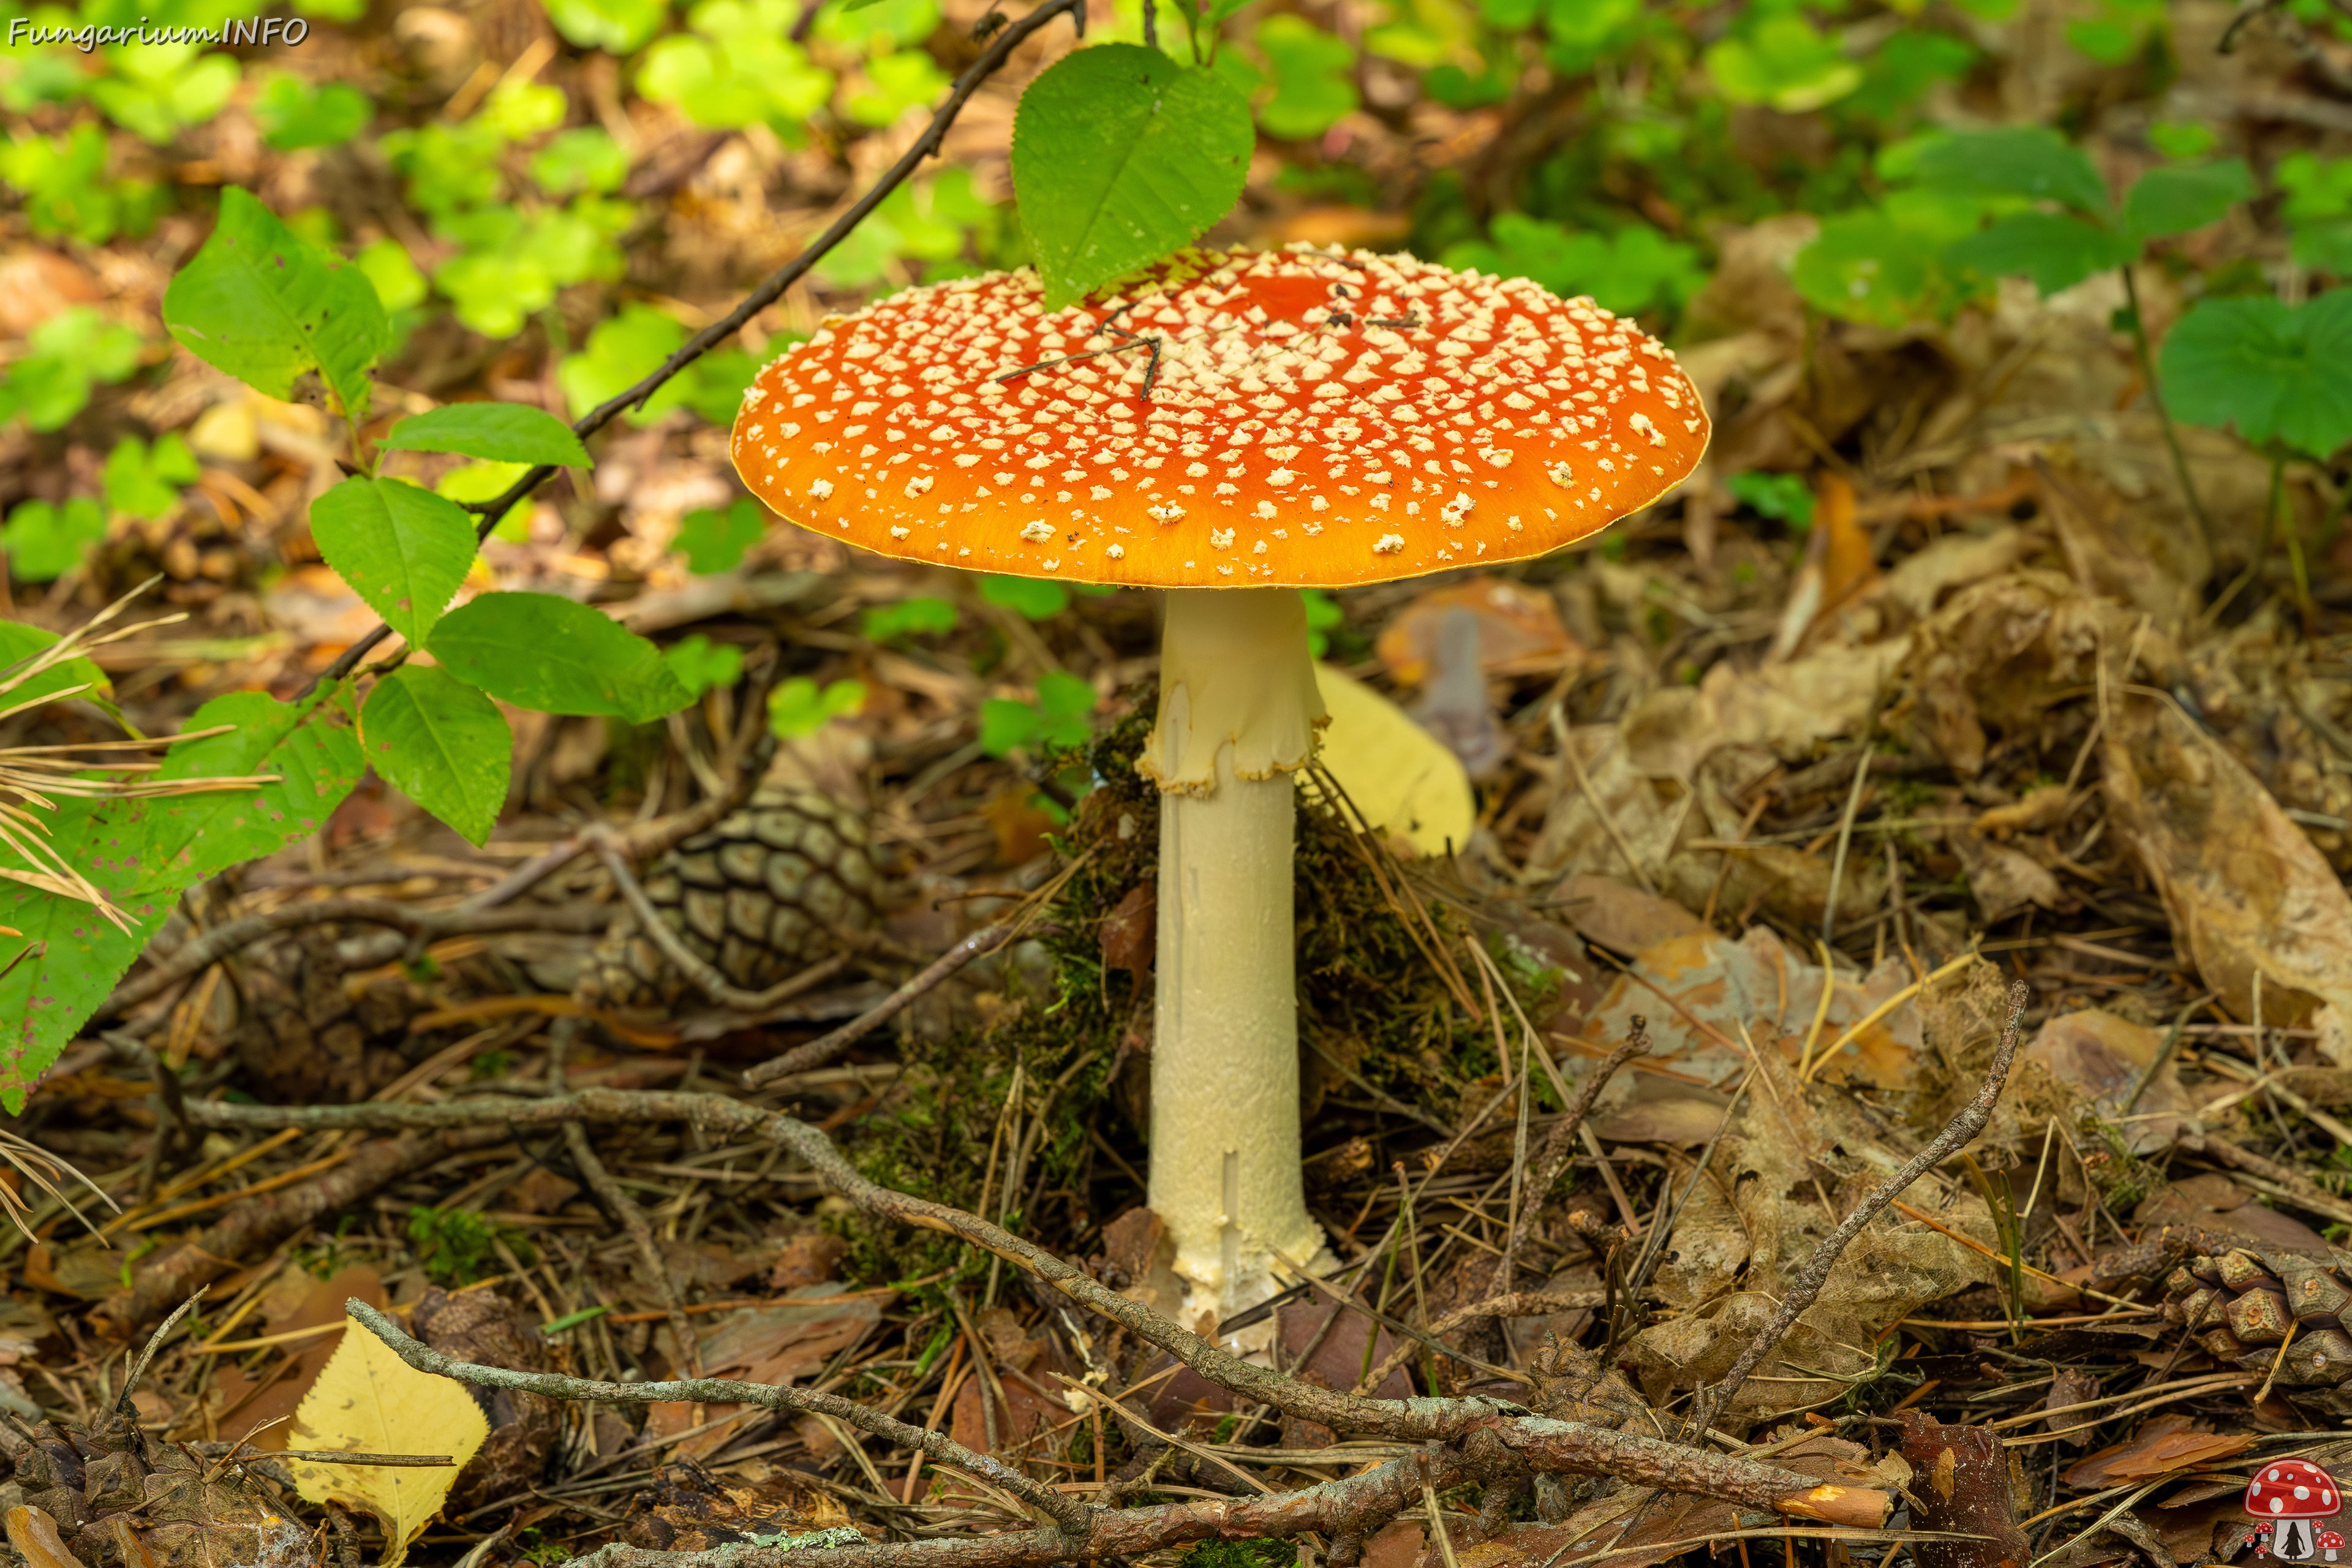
[(401, 547), (1033, 598), (1784, 497), (2274, 372), (147, 484), (500, 432), (145, 853), (1868, 266), (700, 664), (908, 617), (64, 356), (2057, 251), (2021, 161), (1314, 87), (714, 540), (798, 708), (265, 307), (1058, 718), (555, 655), (1006, 726), (475, 483), (1065, 702), (2176, 200), (586, 158), (292, 113), (1119, 156), (19, 642), (399, 286), (620, 27), (1782, 61), (441, 744), (1634, 270), (2183, 138), (43, 541)]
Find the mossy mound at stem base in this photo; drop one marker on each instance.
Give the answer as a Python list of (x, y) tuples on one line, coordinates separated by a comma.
[(1373, 1014)]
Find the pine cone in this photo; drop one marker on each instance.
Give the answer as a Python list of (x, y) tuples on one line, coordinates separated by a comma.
[(759, 897), (2239, 1305)]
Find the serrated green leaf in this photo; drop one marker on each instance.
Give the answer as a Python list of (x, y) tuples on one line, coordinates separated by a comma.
[(2276, 372), (2021, 161), (499, 432), (442, 743), (2176, 200), (401, 547), (1119, 156), (266, 307), (144, 853), (555, 655), (2057, 251)]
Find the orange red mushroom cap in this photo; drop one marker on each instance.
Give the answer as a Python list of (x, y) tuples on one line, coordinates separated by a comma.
[(1303, 417)]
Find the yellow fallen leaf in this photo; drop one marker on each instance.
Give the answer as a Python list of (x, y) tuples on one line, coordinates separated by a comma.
[(1400, 775), (368, 1401)]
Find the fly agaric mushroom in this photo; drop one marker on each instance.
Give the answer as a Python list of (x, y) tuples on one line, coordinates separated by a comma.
[(2290, 1493), (1231, 426), (2330, 1543)]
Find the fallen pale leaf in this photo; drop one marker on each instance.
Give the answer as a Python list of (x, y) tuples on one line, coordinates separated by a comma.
[(368, 1401), (1400, 775)]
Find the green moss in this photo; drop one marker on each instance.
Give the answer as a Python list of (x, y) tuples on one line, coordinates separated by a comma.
[(1258, 1554)]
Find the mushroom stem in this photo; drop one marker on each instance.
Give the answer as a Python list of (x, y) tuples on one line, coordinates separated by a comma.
[(1238, 711)]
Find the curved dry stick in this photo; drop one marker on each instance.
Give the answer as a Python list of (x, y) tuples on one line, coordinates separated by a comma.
[(827, 1047), (1514, 1304), (1074, 1518), (1807, 1286), (234, 936), (927, 145), (1492, 1434), (1556, 1151)]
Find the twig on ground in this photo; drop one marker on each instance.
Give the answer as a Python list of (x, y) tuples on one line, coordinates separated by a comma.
[(1491, 1436), (816, 1053), (260, 1223), (419, 925), (1073, 1516), (1515, 1304), (1557, 1149), (617, 1201), (1807, 1286)]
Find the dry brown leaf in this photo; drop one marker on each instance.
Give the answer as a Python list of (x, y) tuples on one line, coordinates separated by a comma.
[(2248, 892), (2160, 1449), (2094, 1058), (1519, 631), (2002, 879), (369, 1401)]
